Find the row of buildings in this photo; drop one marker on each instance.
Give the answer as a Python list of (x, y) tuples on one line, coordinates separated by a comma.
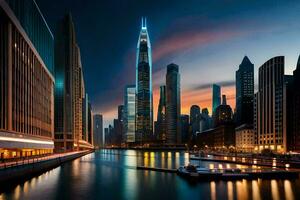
[(43, 103), (266, 120), (134, 125)]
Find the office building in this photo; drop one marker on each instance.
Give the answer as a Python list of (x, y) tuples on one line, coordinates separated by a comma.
[(173, 104), (271, 108), (244, 92), (195, 116), (26, 81), (245, 138), (98, 130), (144, 100), (294, 139), (185, 128), (216, 97), (129, 113), (223, 114), (161, 116), (205, 121)]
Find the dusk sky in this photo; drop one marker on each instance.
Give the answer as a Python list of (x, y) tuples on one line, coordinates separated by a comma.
[(207, 39)]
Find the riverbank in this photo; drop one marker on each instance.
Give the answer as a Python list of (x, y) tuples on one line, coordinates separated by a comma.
[(19, 171)]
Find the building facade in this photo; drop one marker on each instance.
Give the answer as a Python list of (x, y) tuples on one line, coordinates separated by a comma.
[(98, 130), (173, 104), (245, 138), (205, 121), (26, 81), (129, 113), (244, 92), (223, 114), (216, 97), (144, 99), (195, 115), (271, 108), (294, 139), (185, 128), (161, 116)]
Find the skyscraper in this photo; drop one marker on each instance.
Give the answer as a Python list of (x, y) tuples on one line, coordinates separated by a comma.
[(98, 130), (195, 116), (144, 102), (185, 126), (271, 109), (161, 115), (294, 139), (26, 81), (244, 92), (129, 113), (205, 122), (216, 97), (173, 104), (69, 91), (121, 116)]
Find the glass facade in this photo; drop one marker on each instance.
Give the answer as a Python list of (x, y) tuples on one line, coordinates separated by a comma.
[(144, 101), (129, 112), (35, 26), (216, 96)]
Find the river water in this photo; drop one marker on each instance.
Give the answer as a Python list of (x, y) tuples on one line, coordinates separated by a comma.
[(112, 174)]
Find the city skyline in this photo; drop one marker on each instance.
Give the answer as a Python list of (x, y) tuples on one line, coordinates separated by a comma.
[(200, 37)]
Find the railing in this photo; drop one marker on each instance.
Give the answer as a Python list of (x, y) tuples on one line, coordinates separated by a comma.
[(32, 160)]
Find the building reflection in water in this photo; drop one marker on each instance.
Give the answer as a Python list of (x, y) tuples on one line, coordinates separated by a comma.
[(288, 191), (230, 190), (212, 190), (241, 188), (274, 190), (130, 178), (186, 158), (255, 190)]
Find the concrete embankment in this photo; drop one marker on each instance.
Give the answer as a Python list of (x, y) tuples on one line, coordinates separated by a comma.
[(18, 174)]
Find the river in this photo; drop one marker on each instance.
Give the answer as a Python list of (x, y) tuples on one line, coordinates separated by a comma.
[(112, 174)]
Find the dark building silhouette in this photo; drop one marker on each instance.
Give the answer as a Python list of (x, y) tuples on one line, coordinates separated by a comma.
[(129, 113), (294, 120), (205, 121), (161, 116), (98, 130), (216, 97), (223, 114), (244, 92), (185, 127), (26, 81), (121, 118), (144, 99), (195, 117), (173, 104)]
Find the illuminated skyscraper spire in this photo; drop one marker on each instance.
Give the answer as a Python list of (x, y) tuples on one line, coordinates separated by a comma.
[(144, 101)]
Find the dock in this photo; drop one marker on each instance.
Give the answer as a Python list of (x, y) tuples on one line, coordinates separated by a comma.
[(217, 174), (156, 169)]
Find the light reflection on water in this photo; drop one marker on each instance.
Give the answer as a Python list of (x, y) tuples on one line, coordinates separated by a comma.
[(112, 174)]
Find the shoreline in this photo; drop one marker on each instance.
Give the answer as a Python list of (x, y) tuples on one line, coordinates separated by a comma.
[(18, 174)]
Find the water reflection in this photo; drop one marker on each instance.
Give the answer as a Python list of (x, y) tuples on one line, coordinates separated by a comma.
[(112, 174)]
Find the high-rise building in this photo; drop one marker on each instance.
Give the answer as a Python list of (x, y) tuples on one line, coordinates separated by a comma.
[(70, 121), (161, 116), (216, 97), (244, 92), (106, 136), (205, 121), (26, 81), (271, 108), (144, 101), (185, 127), (121, 118), (223, 114), (173, 104), (98, 130), (195, 115), (85, 106), (295, 130), (129, 113), (90, 139)]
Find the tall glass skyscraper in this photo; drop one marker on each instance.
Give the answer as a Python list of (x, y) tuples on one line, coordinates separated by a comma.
[(216, 96), (144, 101), (129, 113), (161, 115), (244, 92), (173, 104)]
